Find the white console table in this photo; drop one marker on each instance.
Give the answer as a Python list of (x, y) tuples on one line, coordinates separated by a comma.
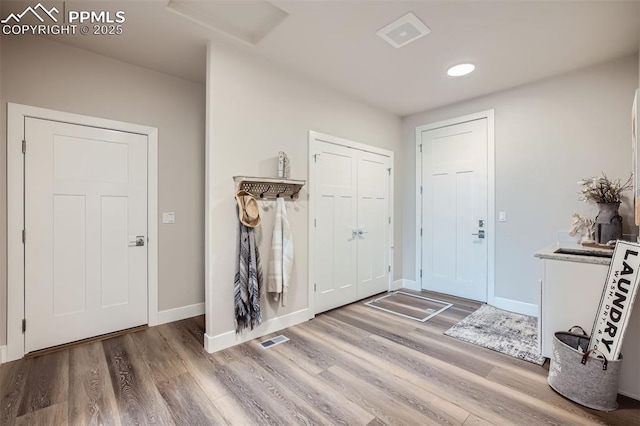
[(570, 292)]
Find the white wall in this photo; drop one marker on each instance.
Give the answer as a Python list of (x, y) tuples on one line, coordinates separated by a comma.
[(255, 110), (43, 73), (548, 135)]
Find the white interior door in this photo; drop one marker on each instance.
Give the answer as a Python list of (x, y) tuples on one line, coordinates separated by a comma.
[(86, 228), (336, 219), (373, 224), (351, 236), (454, 210)]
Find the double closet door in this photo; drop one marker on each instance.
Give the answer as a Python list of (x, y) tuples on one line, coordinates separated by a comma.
[(351, 221)]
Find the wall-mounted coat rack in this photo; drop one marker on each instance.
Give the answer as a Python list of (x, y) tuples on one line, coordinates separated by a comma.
[(263, 188)]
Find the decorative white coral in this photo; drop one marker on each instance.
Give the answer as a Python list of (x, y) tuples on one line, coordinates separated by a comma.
[(583, 226)]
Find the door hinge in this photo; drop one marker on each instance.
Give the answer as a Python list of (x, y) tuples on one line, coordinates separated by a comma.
[(421, 232), (420, 273), (389, 170), (420, 147), (24, 325), (24, 236), (315, 223), (389, 219), (420, 190), (24, 146), (315, 287), (389, 268)]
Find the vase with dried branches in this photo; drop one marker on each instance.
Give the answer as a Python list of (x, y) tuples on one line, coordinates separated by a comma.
[(607, 194)]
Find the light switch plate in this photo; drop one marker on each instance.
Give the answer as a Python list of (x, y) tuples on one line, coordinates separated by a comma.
[(502, 216), (168, 217)]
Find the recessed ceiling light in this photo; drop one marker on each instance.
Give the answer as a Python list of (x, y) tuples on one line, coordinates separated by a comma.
[(460, 70)]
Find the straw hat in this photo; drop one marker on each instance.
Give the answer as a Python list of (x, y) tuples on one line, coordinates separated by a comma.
[(248, 211)]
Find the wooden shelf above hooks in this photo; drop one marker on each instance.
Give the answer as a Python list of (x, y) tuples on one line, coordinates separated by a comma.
[(263, 188)]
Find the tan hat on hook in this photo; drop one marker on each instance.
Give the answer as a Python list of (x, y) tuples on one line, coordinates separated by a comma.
[(248, 211)]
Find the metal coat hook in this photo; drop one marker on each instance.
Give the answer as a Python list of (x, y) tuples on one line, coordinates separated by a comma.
[(265, 191)]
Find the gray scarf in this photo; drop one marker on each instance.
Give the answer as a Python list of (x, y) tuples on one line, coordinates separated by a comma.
[(247, 284)]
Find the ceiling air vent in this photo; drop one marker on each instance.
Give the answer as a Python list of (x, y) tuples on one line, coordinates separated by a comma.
[(404, 30)]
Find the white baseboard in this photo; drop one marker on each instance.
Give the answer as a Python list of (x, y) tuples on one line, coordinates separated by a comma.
[(230, 338), (177, 314), (3, 354), (396, 285), (409, 284), (515, 306)]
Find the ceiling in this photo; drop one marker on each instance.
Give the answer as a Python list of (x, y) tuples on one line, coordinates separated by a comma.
[(334, 42)]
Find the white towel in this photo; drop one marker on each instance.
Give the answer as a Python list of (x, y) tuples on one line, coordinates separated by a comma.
[(281, 263)]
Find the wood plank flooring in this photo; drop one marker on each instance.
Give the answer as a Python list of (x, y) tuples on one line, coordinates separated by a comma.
[(351, 366)]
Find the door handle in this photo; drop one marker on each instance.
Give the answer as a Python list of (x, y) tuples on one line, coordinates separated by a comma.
[(357, 233), (480, 234), (137, 241)]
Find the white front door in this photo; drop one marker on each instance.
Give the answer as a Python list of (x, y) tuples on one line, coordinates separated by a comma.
[(351, 243), (86, 230), (454, 210)]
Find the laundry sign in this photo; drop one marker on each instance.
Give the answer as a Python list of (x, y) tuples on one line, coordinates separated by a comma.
[(617, 300)]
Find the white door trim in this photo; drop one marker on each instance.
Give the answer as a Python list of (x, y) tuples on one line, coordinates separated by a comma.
[(491, 193), (16, 115), (321, 137)]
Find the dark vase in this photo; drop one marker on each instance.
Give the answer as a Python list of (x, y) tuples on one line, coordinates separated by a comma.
[(608, 223)]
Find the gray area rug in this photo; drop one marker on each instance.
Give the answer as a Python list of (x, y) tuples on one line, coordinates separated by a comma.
[(505, 332)]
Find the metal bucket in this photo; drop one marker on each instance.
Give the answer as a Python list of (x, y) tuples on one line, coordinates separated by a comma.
[(578, 375)]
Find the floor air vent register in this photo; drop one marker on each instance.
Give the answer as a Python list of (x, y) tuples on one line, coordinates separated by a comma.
[(274, 341)]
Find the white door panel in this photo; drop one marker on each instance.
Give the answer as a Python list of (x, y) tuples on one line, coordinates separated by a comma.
[(69, 265), (373, 220), (85, 198), (336, 194), (351, 194), (454, 180)]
